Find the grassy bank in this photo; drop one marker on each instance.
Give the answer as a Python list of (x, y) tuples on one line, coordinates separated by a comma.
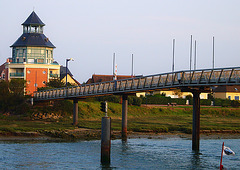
[(140, 119)]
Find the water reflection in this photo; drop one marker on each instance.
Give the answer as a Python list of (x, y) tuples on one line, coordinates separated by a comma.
[(195, 159), (106, 167), (124, 146)]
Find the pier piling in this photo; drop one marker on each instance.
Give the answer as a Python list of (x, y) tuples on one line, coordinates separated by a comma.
[(106, 140), (124, 116), (75, 111), (196, 121)]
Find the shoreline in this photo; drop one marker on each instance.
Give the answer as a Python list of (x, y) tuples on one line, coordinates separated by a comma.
[(90, 134)]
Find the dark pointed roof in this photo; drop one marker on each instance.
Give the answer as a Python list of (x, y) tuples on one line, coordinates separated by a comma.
[(63, 72), (33, 40), (33, 19)]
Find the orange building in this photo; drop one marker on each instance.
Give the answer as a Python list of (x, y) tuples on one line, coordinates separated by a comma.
[(32, 57)]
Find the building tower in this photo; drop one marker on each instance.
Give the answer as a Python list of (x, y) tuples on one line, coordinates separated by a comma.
[(32, 56)]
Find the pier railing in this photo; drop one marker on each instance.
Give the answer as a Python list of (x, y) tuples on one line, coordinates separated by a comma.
[(179, 79)]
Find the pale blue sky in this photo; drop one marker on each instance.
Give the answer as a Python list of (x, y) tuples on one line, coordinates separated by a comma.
[(91, 31)]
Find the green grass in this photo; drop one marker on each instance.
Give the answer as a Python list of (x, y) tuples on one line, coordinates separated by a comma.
[(144, 119)]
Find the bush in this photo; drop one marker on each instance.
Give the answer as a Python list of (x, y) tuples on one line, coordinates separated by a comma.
[(112, 98), (12, 97), (235, 103), (134, 100)]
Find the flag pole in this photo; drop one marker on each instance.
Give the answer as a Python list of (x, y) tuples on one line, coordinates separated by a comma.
[(221, 166)]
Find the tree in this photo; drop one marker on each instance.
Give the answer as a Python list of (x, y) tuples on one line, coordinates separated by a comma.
[(52, 84), (12, 97), (17, 86), (178, 93)]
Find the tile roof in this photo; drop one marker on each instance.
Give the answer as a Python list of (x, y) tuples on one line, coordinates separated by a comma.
[(2, 67), (63, 72), (102, 78), (33, 40), (33, 19), (235, 89)]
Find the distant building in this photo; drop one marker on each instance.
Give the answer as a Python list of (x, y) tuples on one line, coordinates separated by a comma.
[(179, 94), (102, 78), (70, 78), (227, 92), (32, 57)]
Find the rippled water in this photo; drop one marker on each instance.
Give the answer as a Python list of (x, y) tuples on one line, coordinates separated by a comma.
[(133, 154)]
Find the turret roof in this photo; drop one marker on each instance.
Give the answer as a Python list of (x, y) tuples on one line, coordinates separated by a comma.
[(33, 40), (33, 19)]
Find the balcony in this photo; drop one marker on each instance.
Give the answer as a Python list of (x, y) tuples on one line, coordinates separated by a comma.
[(16, 74), (53, 75)]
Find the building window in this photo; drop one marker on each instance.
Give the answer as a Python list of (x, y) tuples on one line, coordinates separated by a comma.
[(3, 75), (24, 59), (44, 82), (40, 60), (28, 82), (28, 71), (44, 72), (229, 97), (30, 60), (24, 53), (236, 97), (35, 85), (17, 60)]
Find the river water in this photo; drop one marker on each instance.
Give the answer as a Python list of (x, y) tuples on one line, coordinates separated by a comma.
[(172, 153)]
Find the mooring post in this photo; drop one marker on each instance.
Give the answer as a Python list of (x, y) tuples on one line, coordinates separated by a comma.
[(196, 121), (75, 112), (106, 140), (124, 116)]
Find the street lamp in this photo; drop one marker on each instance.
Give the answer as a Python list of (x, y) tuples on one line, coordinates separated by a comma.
[(67, 60)]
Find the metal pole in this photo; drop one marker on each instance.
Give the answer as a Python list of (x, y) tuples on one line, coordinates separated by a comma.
[(173, 55), (66, 70), (75, 111), (106, 141), (191, 54), (132, 66), (124, 116), (196, 121), (195, 54), (113, 66), (213, 52)]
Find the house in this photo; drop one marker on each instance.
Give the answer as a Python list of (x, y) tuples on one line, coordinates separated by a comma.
[(102, 78), (32, 57), (70, 78), (179, 94), (227, 92)]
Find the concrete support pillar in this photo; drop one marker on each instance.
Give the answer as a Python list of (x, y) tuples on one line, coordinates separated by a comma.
[(106, 141), (124, 116), (75, 111), (196, 121)]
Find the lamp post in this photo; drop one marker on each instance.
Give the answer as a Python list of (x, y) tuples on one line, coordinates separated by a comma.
[(67, 60)]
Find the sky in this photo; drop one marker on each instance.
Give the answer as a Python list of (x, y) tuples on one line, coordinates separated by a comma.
[(90, 31)]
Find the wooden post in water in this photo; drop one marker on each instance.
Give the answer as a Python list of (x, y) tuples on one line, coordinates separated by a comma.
[(75, 112), (196, 121), (124, 116), (106, 140)]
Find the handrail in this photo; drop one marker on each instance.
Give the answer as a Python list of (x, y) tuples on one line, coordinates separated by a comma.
[(178, 79)]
